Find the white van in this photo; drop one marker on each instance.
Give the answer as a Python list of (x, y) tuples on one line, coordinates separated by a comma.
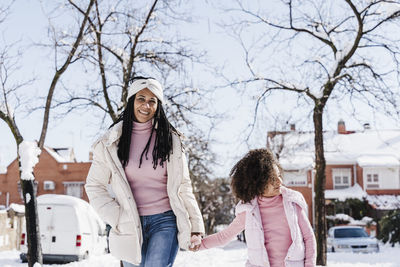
[(70, 229)]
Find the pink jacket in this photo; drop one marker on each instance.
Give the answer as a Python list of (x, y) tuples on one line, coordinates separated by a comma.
[(257, 254)]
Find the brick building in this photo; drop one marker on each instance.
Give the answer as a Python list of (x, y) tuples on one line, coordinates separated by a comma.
[(57, 172), (359, 164)]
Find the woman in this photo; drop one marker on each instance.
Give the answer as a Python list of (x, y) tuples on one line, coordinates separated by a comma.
[(141, 159)]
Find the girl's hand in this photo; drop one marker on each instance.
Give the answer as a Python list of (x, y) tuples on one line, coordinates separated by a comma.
[(195, 242)]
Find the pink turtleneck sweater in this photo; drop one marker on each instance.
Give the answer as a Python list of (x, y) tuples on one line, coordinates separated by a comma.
[(149, 185), (276, 232)]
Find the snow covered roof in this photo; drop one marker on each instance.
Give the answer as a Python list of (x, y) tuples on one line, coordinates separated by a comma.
[(384, 202), (378, 160), (368, 147), (63, 155), (342, 194), (298, 162)]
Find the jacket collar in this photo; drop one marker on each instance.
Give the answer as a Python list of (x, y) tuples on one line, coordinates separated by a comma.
[(287, 194), (294, 196), (111, 136)]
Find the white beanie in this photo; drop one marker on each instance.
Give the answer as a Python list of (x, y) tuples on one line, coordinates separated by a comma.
[(152, 84)]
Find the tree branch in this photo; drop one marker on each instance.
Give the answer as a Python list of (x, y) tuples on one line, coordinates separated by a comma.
[(60, 71)]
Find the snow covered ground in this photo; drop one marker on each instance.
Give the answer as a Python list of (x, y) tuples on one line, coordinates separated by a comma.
[(233, 255)]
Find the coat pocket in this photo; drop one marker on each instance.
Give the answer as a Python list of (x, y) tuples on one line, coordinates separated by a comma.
[(126, 228), (125, 247)]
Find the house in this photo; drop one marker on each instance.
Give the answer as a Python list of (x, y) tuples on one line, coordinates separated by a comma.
[(361, 164), (57, 172)]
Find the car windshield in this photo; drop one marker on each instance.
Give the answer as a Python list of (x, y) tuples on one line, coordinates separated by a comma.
[(350, 232)]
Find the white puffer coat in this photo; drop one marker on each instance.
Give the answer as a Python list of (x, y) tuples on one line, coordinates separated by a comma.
[(119, 209)]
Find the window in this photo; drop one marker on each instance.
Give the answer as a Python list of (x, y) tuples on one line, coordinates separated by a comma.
[(295, 177), (48, 185), (372, 180), (341, 178), (74, 189)]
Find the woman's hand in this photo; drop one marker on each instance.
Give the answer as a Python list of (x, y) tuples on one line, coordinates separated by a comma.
[(195, 242)]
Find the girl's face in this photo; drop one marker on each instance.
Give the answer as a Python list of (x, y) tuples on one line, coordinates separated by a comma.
[(273, 188), (145, 105)]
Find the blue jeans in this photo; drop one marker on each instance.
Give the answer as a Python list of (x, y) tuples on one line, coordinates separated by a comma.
[(160, 242)]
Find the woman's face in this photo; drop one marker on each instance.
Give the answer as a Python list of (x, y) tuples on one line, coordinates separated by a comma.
[(273, 188), (145, 105)]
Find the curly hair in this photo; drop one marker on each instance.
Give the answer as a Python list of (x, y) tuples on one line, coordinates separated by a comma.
[(251, 175)]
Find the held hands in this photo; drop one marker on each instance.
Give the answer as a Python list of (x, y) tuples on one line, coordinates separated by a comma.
[(195, 242)]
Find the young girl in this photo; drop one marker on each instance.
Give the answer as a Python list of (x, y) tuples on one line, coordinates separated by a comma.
[(278, 232)]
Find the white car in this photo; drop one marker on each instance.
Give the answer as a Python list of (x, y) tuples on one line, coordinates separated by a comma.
[(351, 239), (70, 230)]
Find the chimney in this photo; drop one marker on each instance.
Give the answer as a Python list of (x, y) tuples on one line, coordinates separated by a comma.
[(341, 127), (367, 126), (91, 156), (292, 127)]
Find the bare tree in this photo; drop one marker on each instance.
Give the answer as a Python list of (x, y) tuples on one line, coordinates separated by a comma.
[(7, 69), (322, 50), (127, 39)]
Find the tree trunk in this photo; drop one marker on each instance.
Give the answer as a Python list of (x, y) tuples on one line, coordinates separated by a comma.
[(320, 178), (32, 222)]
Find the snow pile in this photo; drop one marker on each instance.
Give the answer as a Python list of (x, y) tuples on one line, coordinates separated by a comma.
[(341, 217), (29, 154), (346, 218), (384, 202), (354, 191), (17, 208)]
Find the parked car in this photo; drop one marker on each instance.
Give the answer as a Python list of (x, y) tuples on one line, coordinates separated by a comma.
[(350, 239), (70, 230)]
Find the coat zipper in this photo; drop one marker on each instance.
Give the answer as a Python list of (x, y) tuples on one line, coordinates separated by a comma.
[(118, 166)]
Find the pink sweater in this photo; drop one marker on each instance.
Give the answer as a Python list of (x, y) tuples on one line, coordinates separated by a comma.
[(149, 186), (276, 232)]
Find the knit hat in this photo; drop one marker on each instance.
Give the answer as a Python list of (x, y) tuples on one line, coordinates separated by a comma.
[(152, 84)]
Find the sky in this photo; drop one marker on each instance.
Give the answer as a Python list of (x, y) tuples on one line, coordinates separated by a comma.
[(28, 25)]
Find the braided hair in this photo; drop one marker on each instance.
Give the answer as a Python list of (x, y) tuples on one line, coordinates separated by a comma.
[(162, 128)]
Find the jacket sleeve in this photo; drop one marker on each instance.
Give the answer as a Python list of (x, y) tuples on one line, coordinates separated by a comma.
[(186, 192), (96, 188), (225, 236), (308, 237)]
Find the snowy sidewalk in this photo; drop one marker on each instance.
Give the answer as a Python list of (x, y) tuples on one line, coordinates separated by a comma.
[(233, 255)]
